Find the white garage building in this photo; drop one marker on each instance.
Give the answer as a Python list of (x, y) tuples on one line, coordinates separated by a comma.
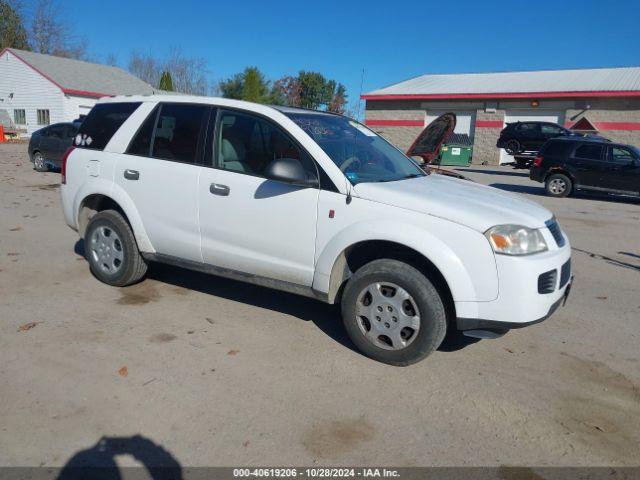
[(37, 90), (607, 99)]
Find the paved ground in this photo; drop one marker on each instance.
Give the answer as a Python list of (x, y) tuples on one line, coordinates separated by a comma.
[(213, 372)]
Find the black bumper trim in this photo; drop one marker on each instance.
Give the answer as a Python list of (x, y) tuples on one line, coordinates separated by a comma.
[(480, 324)]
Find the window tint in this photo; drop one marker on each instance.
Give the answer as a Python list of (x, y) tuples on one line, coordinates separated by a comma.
[(177, 132), (589, 152), (102, 123), (554, 148), (56, 131), (247, 144), (620, 156), (527, 127), (551, 129), (141, 143), (71, 131)]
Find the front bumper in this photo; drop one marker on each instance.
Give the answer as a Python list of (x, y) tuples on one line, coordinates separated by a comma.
[(531, 288)]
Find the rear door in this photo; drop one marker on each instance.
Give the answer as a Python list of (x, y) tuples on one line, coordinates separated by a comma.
[(160, 172), (587, 160), (622, 172)]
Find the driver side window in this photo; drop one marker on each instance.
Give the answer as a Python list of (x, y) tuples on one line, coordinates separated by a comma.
[(248, 144)]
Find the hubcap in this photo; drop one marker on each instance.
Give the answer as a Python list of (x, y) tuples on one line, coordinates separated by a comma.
[(557, 186), (106, 250), (38, 160), (387, 315)]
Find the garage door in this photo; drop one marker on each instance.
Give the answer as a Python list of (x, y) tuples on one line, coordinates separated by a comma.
[(512, 116), (465, 121)]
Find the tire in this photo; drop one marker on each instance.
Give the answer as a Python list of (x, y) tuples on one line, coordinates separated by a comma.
[(112, 251), (513, 146), (558, 185), (404, 294), (39, 163)]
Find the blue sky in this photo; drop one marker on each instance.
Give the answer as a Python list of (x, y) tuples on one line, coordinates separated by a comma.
[(391, 40)]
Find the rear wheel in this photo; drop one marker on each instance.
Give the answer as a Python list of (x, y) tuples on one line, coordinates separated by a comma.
[(558, 185), (393, 313), (112, 251), (513, 146), (39, 163)]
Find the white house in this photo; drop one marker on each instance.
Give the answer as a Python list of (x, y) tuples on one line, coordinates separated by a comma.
[(37, 90)]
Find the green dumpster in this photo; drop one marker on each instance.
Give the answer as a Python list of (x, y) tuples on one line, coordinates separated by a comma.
[(456, 150)]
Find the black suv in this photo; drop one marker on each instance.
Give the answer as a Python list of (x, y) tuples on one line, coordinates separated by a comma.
[(568, 164), (521, 137)]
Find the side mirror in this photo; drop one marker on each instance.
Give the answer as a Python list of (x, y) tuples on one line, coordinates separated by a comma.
[(289, 170)]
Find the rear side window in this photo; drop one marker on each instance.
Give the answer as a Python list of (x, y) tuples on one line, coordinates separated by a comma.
[(102, 123), (554, 148), (589, 152), (527, 127), (141, 143), (177, 132)]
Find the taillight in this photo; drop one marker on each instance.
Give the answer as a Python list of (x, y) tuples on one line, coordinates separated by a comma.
[(538, 161), (63, 167)]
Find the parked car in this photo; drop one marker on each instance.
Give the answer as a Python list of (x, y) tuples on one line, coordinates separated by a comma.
[(567, 165), (47, 145), (316, 204), (521, 137)]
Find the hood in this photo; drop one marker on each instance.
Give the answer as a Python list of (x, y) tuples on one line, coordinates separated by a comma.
[(467, 203), (428, 143)]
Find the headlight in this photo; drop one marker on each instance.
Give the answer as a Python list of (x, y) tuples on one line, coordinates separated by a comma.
[(515, 240)]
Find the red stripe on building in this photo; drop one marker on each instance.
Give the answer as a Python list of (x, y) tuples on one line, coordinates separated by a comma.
[(468, 96), (489, 123), (394, 123), (624, 126)]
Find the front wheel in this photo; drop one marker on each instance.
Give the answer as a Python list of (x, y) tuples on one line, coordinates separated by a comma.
[(112, 251), (558, 185), (393, 313)]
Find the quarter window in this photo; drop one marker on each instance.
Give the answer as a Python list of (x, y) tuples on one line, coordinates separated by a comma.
[(589, 152), (43, 117), (247, 144), (102, 123), (141, 143), (19, 117)]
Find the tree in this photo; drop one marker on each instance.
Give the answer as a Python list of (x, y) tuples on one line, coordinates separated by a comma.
[(313, 90), (146, 67), (12, 31), (166, 83), (289, 88), (251, 85), (51, 33)]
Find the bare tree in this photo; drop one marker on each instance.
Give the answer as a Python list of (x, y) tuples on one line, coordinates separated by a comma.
[(189, 75), (51, 33)]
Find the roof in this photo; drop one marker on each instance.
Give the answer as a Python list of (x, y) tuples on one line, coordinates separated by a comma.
[(591, 82), (76, 77)]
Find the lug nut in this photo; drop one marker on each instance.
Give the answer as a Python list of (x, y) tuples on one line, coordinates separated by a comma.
[(379, 309)]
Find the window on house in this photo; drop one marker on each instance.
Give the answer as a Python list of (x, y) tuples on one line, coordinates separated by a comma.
[(43, 117), (19, 117)]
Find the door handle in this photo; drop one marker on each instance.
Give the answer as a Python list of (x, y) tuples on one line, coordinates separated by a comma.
[(218, 189), (131, 174)]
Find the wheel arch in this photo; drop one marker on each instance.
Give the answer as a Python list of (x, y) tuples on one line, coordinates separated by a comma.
[(114, 198), (362, 252)]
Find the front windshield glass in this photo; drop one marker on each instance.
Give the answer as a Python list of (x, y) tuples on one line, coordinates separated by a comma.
[(361, 154)]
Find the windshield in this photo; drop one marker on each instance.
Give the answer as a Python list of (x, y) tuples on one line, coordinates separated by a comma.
[(361, 154)]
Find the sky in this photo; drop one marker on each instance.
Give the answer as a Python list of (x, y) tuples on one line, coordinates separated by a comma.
[(391, 40)]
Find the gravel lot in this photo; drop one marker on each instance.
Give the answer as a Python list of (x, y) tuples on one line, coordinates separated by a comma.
[(220, 373)]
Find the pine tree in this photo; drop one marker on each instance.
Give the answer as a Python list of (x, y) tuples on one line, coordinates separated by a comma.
[(12, 31), (166, 82)]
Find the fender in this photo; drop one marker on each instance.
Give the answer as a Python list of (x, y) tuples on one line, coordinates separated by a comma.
[(460, 262), (106, 187)]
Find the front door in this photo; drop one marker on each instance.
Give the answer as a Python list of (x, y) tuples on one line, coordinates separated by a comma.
[(248, 223), (160, 173), (622, 170)]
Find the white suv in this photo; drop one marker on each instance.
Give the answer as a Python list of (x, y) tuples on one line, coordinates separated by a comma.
[(313, 203)]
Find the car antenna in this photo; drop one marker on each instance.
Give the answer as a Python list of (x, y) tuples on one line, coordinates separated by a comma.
[(355, 136)]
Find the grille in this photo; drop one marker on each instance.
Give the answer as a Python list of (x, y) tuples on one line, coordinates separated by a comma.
[(565, 273), (547, 281), (554, 228)]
